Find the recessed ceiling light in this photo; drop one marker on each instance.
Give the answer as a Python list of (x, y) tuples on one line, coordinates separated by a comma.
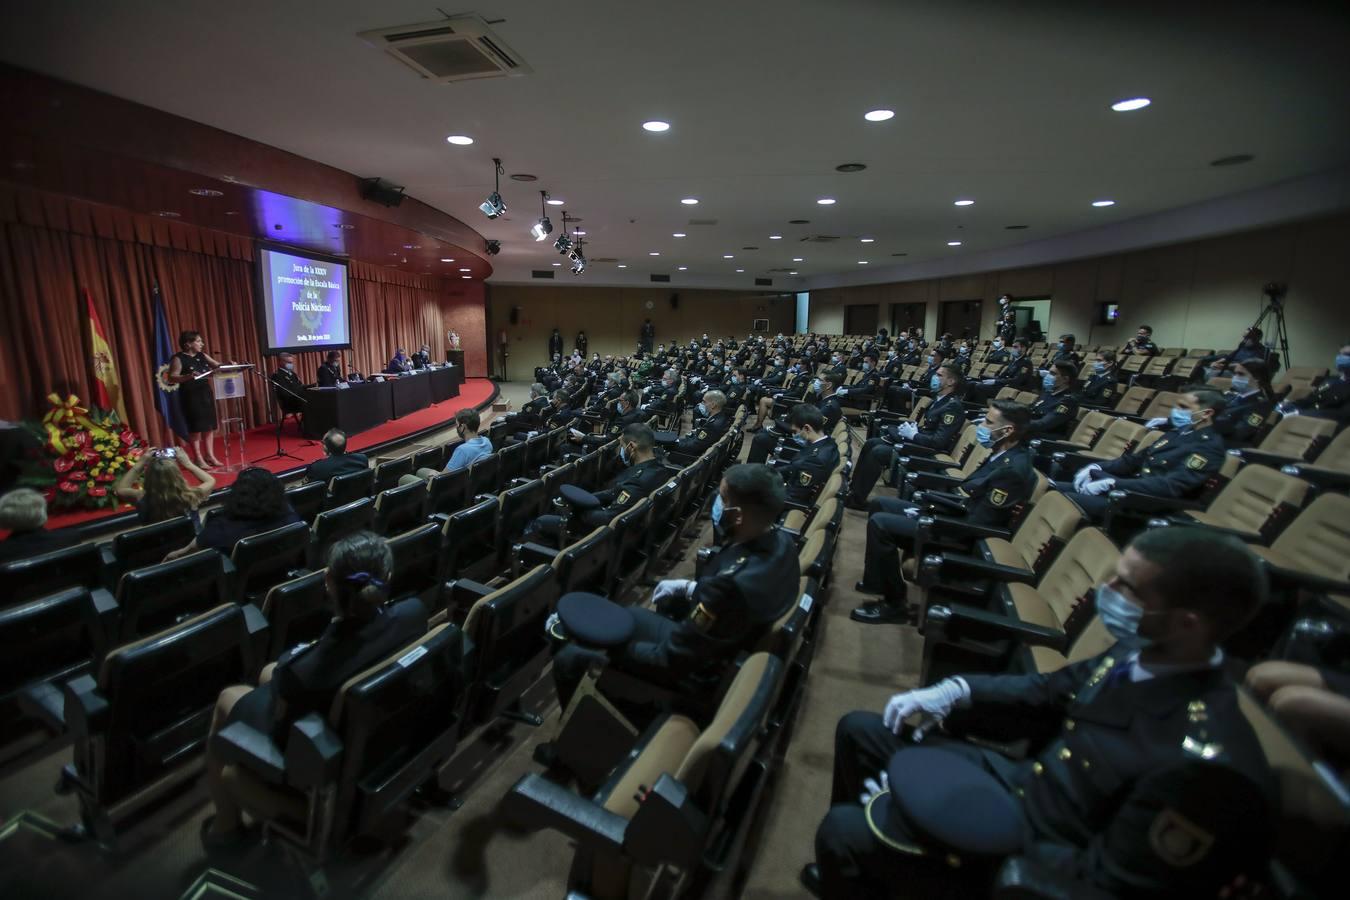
[(964, 203), (862, 262), (466, 276), (554, 202), (447, 260), (578, 231), (775, 237), (1235, 160), (683, 268), (206, 192), (1133, 103), (866, 240), (521, 176), (792, 273), (728, 256), (879, 115), (656, 125), (460, 140), (740, 270), (826, 201), (235, 212), (678, 234), (466, 270), (170, 214), (1103, 203), (623, 265), (654, 253), (850, 167), (557, 264), (953, 243), (690, 201), (798, 259)]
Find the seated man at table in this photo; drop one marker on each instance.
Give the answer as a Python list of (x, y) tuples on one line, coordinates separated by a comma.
[(336, 460), (330, 373), (399, 364), (422, 358), (698, 626)]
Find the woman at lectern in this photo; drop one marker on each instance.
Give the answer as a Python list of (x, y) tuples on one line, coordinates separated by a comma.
[(199, 406)]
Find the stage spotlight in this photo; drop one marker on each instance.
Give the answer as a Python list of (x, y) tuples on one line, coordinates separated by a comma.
[(562, 244), (578, 258), (543, 228), (493, 206), (493, 247)]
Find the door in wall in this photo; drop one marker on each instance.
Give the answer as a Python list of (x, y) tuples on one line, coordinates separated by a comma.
[(907, 316), (961, 318), (860, 319)]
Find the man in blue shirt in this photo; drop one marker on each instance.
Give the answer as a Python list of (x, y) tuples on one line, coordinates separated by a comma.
[(475, 445)]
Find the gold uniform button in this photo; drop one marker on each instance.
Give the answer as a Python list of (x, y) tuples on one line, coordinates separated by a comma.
[(1070, 724), (1037, 769), (1086, 764), (1065, 753)]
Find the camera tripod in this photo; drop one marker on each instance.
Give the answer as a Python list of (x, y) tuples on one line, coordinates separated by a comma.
[(1274, 312)]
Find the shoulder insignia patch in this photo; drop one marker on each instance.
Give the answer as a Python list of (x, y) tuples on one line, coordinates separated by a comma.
[(1159, 444), (804, 479), (1255, 420), (614, 429), (998, 496), (623, 498), (702, 435), (702, 619), (1178, 841), (948, 418), (1195, 461), (1062, 409)]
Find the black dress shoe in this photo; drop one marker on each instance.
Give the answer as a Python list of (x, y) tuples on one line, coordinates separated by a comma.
[(879, 613), (810, 879)]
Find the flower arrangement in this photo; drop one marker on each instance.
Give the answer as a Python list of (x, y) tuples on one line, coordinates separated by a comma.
[(84, 451)]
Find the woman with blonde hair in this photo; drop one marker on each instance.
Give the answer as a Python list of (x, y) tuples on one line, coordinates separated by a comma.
[(164, 493)]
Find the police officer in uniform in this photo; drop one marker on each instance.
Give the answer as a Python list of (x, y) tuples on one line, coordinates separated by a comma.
[(711, 423), (1141, 343), (805, 473), (1250, 402), (823, 390), (330, 372), (1331, 398), (998, 352), (1055, 413), (988, 497), (1144, 778), (698, 626), (937, 431), (900, 396), (555, 345), (1102, 389), (1064, 351), (287, 386), (861, 391), (1017, 374), (1175, 465)]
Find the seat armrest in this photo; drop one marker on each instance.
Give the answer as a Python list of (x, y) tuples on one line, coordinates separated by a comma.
[(947, 528), (939, 499), (1183, 522), (313, 753), (916, 450), (956, 621), (1047, 446), (937, 568), (1320, 476), (107, 558), (462, 593), (800, 507), (243, 745), (86, 710), (531, 554), (1261, 457), (668, 828), (106, 611), (1021, 878), (535, 803), (923, 464), (931, 481), (1128, 501), (1308, 581)]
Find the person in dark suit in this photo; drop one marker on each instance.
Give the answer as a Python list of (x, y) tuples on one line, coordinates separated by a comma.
[(1331, 398), (330, 373), (1250, 401), (23, 513), (1143, 778), (818, 455), (305, 680), (1141, 343), (336, 461), (1055, 412), (988, 497), (581, 343), (711, 421), (399, 364), (555, 345), (1102, 387), (1018, 374), (422, 358), (287, 387), (254, 504)]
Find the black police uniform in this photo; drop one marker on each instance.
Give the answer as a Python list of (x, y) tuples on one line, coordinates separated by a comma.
[(806, 472), (1017, 374), (289, 391), (1100, 390), (998, 355), (581, 343), (1143, 348), (1175, 465), (1053, 415), (554, 345), (862, 390), (627, 488), (988, 497), (747, 587), (939, 428), (1243, 419), (1156, 787), (421, 360), (704, 434), (763, 443), (1329, 400), (900, 394), (329, 376)]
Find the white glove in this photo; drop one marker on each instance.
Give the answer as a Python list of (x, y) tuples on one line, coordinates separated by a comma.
[(548, 625), (1093, 488), (841, 391), (871, 788), (1158, 422), (988, 381), (1085, 475), (911, 511), (937, 701), (908, 430), (672, 589)]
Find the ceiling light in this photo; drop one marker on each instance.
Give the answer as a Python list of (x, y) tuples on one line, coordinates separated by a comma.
[(683, 268), (552, 202), (953, 243), (557, 264), (866, 240), (964, 203), (578, 258), (656, 125), (740, 270), (879, 115), (623, 265), (447, 260), (578, 231), (466, 270), (460, 140), (690, 201), (798, 259), (775, 237), (792, 273), (462, 276), (826, 201), (728, 256), (493, 206), (654, 253), (678, 234), (862, 262), (543, 228), (1134, 103), (1103, 203)]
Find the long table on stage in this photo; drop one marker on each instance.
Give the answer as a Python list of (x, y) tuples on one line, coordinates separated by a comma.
[(364, 405)]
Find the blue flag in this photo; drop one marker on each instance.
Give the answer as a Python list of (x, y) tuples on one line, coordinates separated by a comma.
[(169, 403)]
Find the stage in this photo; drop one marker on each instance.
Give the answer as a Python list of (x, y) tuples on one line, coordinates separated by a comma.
[(261, 443)]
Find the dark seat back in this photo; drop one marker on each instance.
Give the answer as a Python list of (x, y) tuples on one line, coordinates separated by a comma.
[(556, 438), (520, 506), (632, 537), (388, 473), (468, 540), (343, 489), (584, 564), (37, 576), (536, 453), (556, 477), (400, 508), (148, 544), (50, 639), (484, 476), (336, 523), (308, 500), (417, 563), (430, 458), (512, 463), (263, 560), (155, 597), (510, 648), (297, 611), (446, 492)]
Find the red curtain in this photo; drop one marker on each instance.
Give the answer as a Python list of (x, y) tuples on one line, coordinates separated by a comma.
[(52, 246)]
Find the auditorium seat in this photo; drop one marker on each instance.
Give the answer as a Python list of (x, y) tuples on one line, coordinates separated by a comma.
[(580, 566), (1293, 439), (139, 720), (37, 576), (536, 454), (399, 508), (417, 564), (351, 773), (483, 477), (681, 798), (308, 500), (297, 612), (1085, 434), (146, 545), (44, 643), (430, 458), (1314, 551), (1331, 469), (344, 489), (336, 523), (1297, 382), (520, 506), (1121, 436), (961, 637), (511, 462), (262, 560), (446, 493), (389, 472), (1256, 505), (632, 540), (467, 542), (152, 598)]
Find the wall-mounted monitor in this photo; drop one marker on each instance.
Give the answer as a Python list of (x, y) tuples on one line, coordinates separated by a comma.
[(301, 300), (1110, 314)]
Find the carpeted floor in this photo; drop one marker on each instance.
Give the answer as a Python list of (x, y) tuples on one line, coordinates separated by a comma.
[(466, 852)]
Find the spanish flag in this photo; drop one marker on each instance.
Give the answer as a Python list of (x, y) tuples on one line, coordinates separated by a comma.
[(107, 387)]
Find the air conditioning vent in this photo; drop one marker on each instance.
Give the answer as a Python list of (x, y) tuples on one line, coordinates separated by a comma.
[(455, 49), (605, 259), (542, 273), (763, 282), (661, 279)]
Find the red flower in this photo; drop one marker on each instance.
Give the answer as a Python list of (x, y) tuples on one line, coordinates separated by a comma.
[(63, 464), (98, 492), (92, 456), (78, 439), (128, 437), (105, 478), (49, 494), (70, 487)]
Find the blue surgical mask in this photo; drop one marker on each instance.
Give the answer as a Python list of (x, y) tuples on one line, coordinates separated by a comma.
[(1099, 367), (1343, 362), (984, 436), (702, 409), (935, 383), (1048, 382), (1121, 617), (623, 455), (717, 510), (1016, 353), (1241, 383), (799, 439), (815, 386), (867, 367), (930, 359), (1180, 418), (998, 345)]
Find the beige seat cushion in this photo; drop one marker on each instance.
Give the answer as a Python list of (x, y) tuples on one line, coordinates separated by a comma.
[(1004, 553), (1031, 608), (663, 753)]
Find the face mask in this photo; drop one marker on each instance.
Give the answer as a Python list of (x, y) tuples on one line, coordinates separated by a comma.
[(867, 367), (930, 359), (717, 510), (816, 386), (834, 360), (1016, 353), (624, 455), (1240, 384), (985, 436), (1180, 418), (1141, 338), (1343, 362), (965, 350), (735, 380), (1099, 367), (702, 409), (998, 345), (1061, 346), (935, 383), (1121, 618), (290, 367), (799, 439), (1048, 382)]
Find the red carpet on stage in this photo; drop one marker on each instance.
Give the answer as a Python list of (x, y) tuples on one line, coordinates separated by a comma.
[(261, 443)]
